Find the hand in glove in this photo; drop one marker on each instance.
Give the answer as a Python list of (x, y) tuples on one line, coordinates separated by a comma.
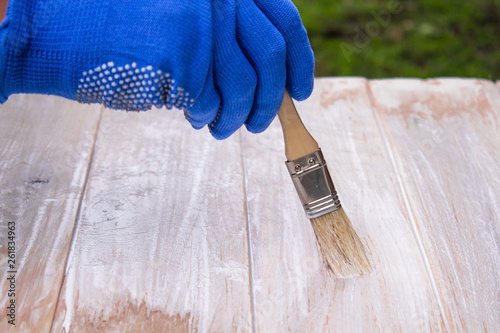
[(224, 62)]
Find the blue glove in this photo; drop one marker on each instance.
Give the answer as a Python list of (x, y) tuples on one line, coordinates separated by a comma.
[(124, 54), (258, 48), (133, 55)]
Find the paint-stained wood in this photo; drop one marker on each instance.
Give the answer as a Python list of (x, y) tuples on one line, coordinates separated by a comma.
[(135, 222), (445, 138), (45, 148), (161, 245), (294, 291)]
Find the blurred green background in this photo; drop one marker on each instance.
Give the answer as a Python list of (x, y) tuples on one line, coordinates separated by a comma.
[(389, 38)]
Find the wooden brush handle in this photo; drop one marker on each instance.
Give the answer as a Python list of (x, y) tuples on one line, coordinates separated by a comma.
[(298, 141)]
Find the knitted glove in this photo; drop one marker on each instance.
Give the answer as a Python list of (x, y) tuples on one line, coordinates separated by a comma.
[(299, 56), (132, 55), (125, 54), (258, 47)]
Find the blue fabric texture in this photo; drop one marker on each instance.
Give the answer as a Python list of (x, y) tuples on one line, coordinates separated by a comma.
[(224, 62), (3, 55)]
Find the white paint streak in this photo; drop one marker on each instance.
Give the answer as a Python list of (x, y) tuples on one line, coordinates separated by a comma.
[(404, 195), (69, 299)]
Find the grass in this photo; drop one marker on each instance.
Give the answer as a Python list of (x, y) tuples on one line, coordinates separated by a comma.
[(391, 38)]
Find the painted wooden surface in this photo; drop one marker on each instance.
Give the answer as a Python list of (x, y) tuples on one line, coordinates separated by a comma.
[(294, 291), (447, 151), (45, 148), (161, 245), (174, 231)]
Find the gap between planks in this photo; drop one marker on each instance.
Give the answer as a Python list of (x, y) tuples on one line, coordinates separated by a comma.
[(249, 238), (405, 196), (79, 212)]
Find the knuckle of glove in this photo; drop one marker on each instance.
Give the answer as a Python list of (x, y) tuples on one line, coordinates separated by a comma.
[(236, 104), (275, 49)]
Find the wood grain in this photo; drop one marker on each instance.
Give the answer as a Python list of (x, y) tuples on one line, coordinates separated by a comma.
[(444, 135), (294, 291), (161, 245), (161, 240), (46, 144)]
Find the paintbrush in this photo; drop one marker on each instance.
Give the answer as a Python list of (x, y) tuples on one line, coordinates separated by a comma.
[(339, 243)]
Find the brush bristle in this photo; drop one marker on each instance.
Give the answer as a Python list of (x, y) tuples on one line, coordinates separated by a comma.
[(340, 245)]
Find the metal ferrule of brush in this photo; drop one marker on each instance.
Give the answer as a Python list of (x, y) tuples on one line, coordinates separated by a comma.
[(314, 184)]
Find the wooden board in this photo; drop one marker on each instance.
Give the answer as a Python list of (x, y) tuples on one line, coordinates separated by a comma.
[(161, 245), (179, 232), (45, 148), (294, 291), (444, 135)]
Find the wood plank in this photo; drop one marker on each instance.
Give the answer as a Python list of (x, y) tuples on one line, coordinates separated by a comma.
[(45, 148), (161, 245), (294, 290), (445, 138)]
